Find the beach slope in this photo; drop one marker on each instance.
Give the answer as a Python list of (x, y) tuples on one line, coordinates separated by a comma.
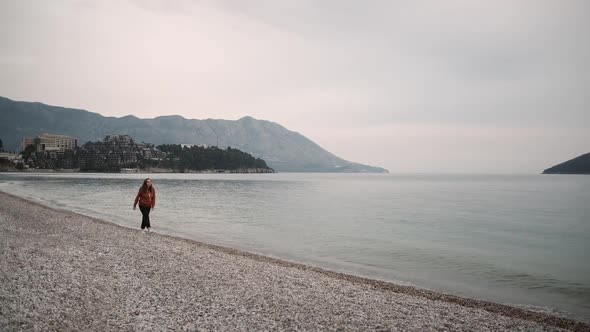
[(64, 271)]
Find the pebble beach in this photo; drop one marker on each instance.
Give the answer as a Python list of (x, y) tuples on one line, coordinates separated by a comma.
[(62, 271)]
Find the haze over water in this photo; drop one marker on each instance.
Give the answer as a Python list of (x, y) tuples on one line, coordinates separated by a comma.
[(518, 239)]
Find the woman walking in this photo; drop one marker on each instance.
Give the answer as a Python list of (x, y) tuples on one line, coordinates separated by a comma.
[(146, 197)]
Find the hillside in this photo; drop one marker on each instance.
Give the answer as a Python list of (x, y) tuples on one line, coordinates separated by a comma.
[(282, 149), (578, 165)]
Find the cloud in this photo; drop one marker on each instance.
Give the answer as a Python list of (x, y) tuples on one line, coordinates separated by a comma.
[(318, 67)]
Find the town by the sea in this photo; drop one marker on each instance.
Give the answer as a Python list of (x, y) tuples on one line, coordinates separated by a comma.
[(523, 240)]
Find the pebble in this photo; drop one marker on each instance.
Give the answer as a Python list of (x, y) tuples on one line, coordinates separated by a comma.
[(61, 271)]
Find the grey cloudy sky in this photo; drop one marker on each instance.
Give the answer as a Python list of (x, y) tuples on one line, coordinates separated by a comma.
[(414, 86)]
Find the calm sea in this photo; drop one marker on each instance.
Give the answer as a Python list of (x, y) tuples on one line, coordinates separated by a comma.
[(517, 239)]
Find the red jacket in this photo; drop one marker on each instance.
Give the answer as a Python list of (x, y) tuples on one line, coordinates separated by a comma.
[(146, 198)]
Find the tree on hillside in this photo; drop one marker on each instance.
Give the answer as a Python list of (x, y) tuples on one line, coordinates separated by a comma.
[(28, 151), (211, 158), (1, 145)]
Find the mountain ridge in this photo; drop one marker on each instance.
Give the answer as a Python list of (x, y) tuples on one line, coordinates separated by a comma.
[(283, 149)]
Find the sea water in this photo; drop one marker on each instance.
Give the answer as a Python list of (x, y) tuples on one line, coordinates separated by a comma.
[(517, 239)]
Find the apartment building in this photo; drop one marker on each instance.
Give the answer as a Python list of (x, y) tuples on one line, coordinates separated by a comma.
[(57, 143)]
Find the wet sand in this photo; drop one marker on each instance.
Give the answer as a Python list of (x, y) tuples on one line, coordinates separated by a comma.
[(64, 271)]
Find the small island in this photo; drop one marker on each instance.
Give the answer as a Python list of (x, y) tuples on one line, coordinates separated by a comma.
[(578, 165)]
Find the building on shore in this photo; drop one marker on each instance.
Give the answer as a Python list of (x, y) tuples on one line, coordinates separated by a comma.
[(9, 156), (191, 145), (51, 143), (119, 140), (115, 152)]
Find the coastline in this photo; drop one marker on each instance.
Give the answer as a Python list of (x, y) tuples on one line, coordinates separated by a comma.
[(280, 294), (153, 170)]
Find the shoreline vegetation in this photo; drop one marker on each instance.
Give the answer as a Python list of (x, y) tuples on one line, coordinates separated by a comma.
[(61, 271), (154, 170), (123, 154)]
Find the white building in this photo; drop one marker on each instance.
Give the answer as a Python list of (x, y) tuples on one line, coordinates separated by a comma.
[(58, 143)]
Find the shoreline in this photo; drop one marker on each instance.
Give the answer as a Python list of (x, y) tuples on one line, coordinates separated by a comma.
[(142, 171), (381, 287)]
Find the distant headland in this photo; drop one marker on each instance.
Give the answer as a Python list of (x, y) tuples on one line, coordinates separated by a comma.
[(578, 165)]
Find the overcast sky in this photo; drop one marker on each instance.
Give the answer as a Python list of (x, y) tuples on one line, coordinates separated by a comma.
[(414, 86)]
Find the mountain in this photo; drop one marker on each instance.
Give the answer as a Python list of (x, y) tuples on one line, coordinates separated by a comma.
[(282, 149), (578, 165)]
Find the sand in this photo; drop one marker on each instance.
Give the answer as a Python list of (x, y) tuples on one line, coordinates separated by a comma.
[(64, 271)]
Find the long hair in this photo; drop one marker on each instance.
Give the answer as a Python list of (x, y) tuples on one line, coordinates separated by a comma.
[(144, 187)]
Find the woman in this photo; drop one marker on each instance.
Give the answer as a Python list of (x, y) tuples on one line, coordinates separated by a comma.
[(146, 197)]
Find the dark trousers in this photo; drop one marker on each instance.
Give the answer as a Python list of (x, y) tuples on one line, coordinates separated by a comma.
[(145, 212)]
